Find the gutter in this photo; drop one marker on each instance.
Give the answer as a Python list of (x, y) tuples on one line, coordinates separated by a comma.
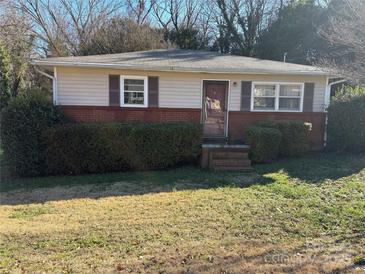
[(174, 69), (45, 74), (328, 91)]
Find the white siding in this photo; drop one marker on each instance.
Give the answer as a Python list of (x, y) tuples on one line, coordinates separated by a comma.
[(82, 86), (235, 95), (180, 92), (319, 95)]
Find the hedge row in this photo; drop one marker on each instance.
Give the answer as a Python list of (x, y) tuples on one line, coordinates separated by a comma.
[(37, 140), (294, 136), (88, 148), (273, 138), (346, 124), (264, 143), (22, 124)]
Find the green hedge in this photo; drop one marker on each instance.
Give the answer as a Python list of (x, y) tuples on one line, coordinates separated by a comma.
[(294, 135), (22, 123), (88, 148), (264, 143), (346, 124)]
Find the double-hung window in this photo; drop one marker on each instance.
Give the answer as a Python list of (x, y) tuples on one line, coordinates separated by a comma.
[(290, 97), (277, 97), (134, 91), (264, 97)]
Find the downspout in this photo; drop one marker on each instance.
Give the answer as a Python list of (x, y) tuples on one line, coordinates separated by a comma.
[(54, 86), (54, 83), (327, 101)]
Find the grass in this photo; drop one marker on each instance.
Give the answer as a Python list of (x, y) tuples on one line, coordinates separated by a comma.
[(299, 215), (168, 178), (29, 212), (165, 177)]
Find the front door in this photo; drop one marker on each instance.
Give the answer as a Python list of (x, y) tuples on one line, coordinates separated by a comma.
[(214, 108)]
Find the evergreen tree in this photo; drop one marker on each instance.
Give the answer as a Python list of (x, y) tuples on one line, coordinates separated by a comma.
[(186, 38), (295, 32)]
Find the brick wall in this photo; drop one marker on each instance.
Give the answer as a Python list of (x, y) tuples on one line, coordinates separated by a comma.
[(128, 115), (239, 121)]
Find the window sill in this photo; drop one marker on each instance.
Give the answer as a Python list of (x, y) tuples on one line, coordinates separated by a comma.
[(134, 106), (273, 110)]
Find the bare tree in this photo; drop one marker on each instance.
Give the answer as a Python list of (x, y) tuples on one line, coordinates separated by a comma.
[(177, 14), (243, 20), (185, 23), (64, 26), (345, 31), (16, 37), (160, 13), (205, 23), (140, 10), (122, 34)]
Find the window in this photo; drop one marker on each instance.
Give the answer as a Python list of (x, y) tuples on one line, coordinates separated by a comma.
[(277, 97), (134, 91), (264, 97), (290, 97)]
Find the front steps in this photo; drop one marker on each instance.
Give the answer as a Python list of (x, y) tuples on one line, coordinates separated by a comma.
[(225, 157)]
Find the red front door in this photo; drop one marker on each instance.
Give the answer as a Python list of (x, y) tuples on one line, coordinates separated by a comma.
[(215, 108)]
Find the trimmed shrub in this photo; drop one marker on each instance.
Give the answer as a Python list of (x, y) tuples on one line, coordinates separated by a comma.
[(89, 148), (161, 146), (85, 148), (346, 124), (22, 123), (264, 143), (294, 136)]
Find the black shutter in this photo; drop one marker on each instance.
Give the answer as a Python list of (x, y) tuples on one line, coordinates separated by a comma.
[(308, 97), (153, 87), (246, 87), (114, 90)]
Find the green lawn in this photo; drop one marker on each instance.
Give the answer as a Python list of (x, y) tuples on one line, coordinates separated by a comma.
[(297, 215)]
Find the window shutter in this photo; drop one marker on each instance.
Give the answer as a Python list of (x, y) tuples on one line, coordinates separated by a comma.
[(114, 90), (246, 87), (153, 87), (308, 97)]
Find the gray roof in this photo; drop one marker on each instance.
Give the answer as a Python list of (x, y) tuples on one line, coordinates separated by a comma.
[(183, 60)]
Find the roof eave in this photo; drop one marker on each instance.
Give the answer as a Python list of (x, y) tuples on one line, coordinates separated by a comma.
[(172, 69)]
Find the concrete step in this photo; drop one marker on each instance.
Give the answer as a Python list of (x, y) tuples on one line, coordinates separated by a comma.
[(231, 162), (231, 168), (214, 140), (229, 155), (226, 157)]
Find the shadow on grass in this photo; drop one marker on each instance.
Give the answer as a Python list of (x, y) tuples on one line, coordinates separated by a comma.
[(317, 167), (54, 188), (312, 168)]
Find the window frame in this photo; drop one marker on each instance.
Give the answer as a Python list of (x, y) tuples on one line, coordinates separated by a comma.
[(253, 96), (145, 91), (277, 96)]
